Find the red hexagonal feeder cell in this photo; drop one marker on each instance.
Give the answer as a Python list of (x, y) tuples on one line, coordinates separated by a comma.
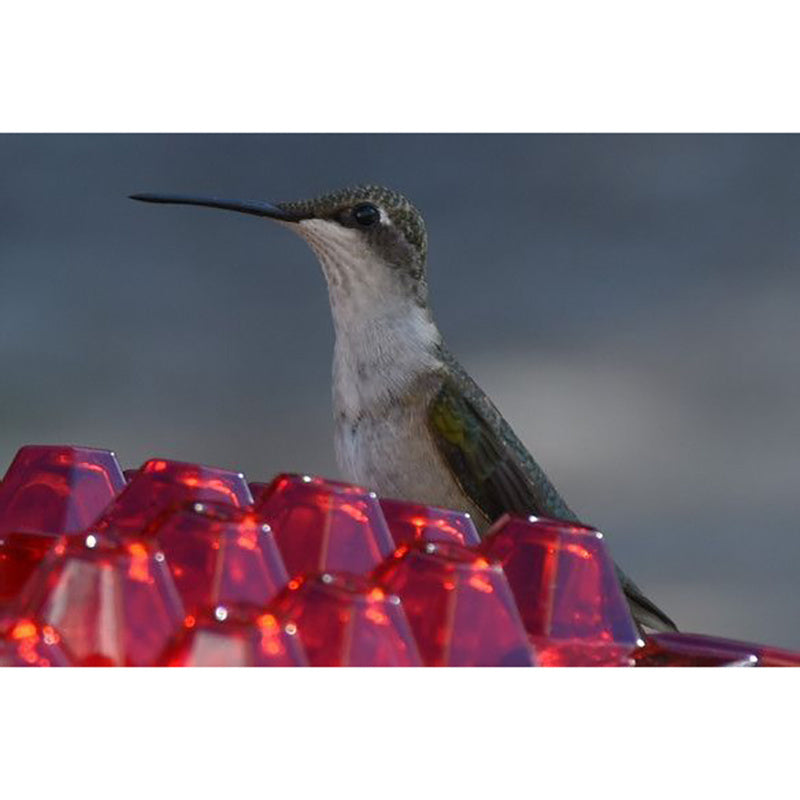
[(411, 522), (57, 489), (161, 485), (347, 620), (325, 526), (460, 606), (566, 589), (220, 555), (110, 604), (230, 636)]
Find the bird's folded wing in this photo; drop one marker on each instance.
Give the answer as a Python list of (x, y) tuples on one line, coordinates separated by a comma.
[(486, 468)]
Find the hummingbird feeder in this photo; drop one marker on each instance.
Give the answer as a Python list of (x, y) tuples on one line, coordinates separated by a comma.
[(184, 565)]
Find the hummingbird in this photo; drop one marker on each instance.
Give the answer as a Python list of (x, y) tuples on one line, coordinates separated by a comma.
[(409, 420)]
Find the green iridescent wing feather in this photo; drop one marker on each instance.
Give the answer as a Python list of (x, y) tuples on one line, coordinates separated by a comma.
[(484, 462)]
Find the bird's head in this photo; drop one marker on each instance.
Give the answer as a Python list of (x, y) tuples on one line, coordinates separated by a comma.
[(370, 241)]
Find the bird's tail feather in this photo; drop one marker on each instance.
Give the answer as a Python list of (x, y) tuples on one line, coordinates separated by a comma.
[(645, 612)]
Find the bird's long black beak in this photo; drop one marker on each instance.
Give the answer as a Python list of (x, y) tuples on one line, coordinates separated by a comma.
[(254, 207)]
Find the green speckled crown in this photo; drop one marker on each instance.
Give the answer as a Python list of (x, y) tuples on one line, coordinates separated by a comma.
[(399, 208)]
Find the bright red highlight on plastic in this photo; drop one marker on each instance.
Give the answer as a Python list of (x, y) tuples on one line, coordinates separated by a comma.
[(460, 606), (109, 604), (410, 522), (229, 636), (28, 645), (162, 485), (220, 555), (57, 489), (325, 526), (566, 589), (348, 621)]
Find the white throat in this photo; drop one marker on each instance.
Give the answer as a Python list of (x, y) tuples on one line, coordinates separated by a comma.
[(384, 338)]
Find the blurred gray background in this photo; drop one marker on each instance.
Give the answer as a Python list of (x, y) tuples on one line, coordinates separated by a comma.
[(629, 302)]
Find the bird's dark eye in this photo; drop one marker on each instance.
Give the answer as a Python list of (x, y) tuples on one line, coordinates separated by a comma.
[(365, 214)]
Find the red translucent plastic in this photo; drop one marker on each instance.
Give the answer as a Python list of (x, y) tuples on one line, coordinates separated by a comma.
[(220, 555), (460, 606), (348, 621), (566, 589), (681, 650), (109, 604), (325, 526), (161, 485), (57, 489), (227, 636), (176, 564), (674, 645), (410, 522), (20, 555), (257, 489), (30, 645)]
